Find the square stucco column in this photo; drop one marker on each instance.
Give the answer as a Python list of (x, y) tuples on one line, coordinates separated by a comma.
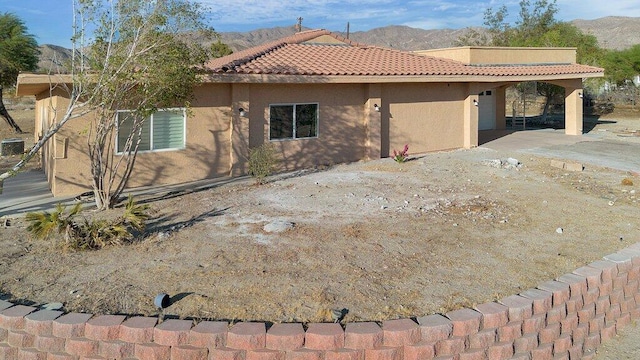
[(239, 129), (470, 123), (501, 104), (373, 124), (573, 117)]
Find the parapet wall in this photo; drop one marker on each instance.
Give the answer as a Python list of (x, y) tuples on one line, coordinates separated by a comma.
[(566, 318)]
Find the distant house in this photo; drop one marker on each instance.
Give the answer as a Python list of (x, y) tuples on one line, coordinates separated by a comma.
[(320, 99)]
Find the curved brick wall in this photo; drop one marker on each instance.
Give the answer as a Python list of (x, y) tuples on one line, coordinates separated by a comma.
[(562, 319)]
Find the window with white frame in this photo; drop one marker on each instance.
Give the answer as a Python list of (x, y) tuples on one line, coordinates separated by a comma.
[(163, 130), (293, 121)]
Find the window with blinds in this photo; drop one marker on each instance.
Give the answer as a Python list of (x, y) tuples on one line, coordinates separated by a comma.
[(164, 130)]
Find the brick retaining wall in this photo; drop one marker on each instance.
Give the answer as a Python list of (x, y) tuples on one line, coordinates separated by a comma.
[(566, 318)]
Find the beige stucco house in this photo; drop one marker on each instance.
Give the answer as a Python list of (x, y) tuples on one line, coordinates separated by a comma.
[(320, 99)]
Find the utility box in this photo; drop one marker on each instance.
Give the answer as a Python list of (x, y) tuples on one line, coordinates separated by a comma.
[(13, 146)]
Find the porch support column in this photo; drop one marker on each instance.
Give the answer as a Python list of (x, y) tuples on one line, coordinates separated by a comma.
[(372, 122), (573, 117), (470, 121), (501, 100), (239, 129)]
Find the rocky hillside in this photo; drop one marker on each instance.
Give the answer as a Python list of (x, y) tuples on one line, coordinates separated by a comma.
[(613, 32), (53, 58)]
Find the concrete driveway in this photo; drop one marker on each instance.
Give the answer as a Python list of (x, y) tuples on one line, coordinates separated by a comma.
[(586, 149)]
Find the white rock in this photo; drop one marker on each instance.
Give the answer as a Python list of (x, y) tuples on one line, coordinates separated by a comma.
[(559, 230), (278, 226), (52, 306), (512, 161)]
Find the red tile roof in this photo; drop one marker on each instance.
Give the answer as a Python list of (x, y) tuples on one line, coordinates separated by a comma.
[(297, 55)]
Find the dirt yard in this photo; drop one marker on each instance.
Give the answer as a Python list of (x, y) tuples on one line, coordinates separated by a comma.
[(381, 239), (21, 110)]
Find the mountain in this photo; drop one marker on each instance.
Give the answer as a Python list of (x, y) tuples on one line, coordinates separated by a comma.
[(612, 32), (243, 40), (395, 36), (53, 58)]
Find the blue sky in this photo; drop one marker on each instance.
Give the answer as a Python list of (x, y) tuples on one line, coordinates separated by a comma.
[(50, 20)]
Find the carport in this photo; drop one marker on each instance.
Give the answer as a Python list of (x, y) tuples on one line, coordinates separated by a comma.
[(508, 66)]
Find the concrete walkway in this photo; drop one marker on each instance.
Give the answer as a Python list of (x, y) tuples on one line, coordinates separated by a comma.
[(25, 192), (29, 191)]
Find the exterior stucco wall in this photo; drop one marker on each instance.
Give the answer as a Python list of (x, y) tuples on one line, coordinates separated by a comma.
[(68, 152), (206, 154), (341, 127), (505, 55), (428, 117), (41, 121)]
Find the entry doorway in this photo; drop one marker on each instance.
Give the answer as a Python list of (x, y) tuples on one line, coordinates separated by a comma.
[(486, 110)]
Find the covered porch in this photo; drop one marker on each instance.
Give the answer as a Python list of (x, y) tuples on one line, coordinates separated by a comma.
[(511, 66)]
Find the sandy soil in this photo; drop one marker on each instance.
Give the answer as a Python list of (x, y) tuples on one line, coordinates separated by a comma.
[(21, 110), (381, 239), (624, 346)]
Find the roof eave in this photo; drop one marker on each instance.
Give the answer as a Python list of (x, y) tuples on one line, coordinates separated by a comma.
[(334, 79), (34, 84)]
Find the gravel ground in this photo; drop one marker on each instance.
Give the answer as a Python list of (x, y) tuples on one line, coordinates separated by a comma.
[(383, 240)]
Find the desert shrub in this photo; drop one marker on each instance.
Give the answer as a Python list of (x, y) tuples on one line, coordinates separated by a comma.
[(88, 234), (262, 162), (627, 182)]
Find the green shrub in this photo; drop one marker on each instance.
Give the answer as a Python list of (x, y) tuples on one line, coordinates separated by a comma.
[(262, 162), (44, 223), (88, 234)]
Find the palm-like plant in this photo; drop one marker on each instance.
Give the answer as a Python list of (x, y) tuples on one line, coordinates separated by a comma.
[(88, 234), (42, 224), (18, 52)]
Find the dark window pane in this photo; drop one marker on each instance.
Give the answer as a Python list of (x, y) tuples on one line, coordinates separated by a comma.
[(281, 122), (306, 120), (125, 127)]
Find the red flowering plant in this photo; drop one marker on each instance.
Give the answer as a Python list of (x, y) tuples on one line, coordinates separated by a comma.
[(401, 156)]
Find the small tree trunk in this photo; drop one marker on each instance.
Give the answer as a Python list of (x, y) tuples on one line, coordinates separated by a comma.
[(7, 117)]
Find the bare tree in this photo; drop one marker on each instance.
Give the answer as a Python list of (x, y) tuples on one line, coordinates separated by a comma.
[(141, 60), (136, 56)]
